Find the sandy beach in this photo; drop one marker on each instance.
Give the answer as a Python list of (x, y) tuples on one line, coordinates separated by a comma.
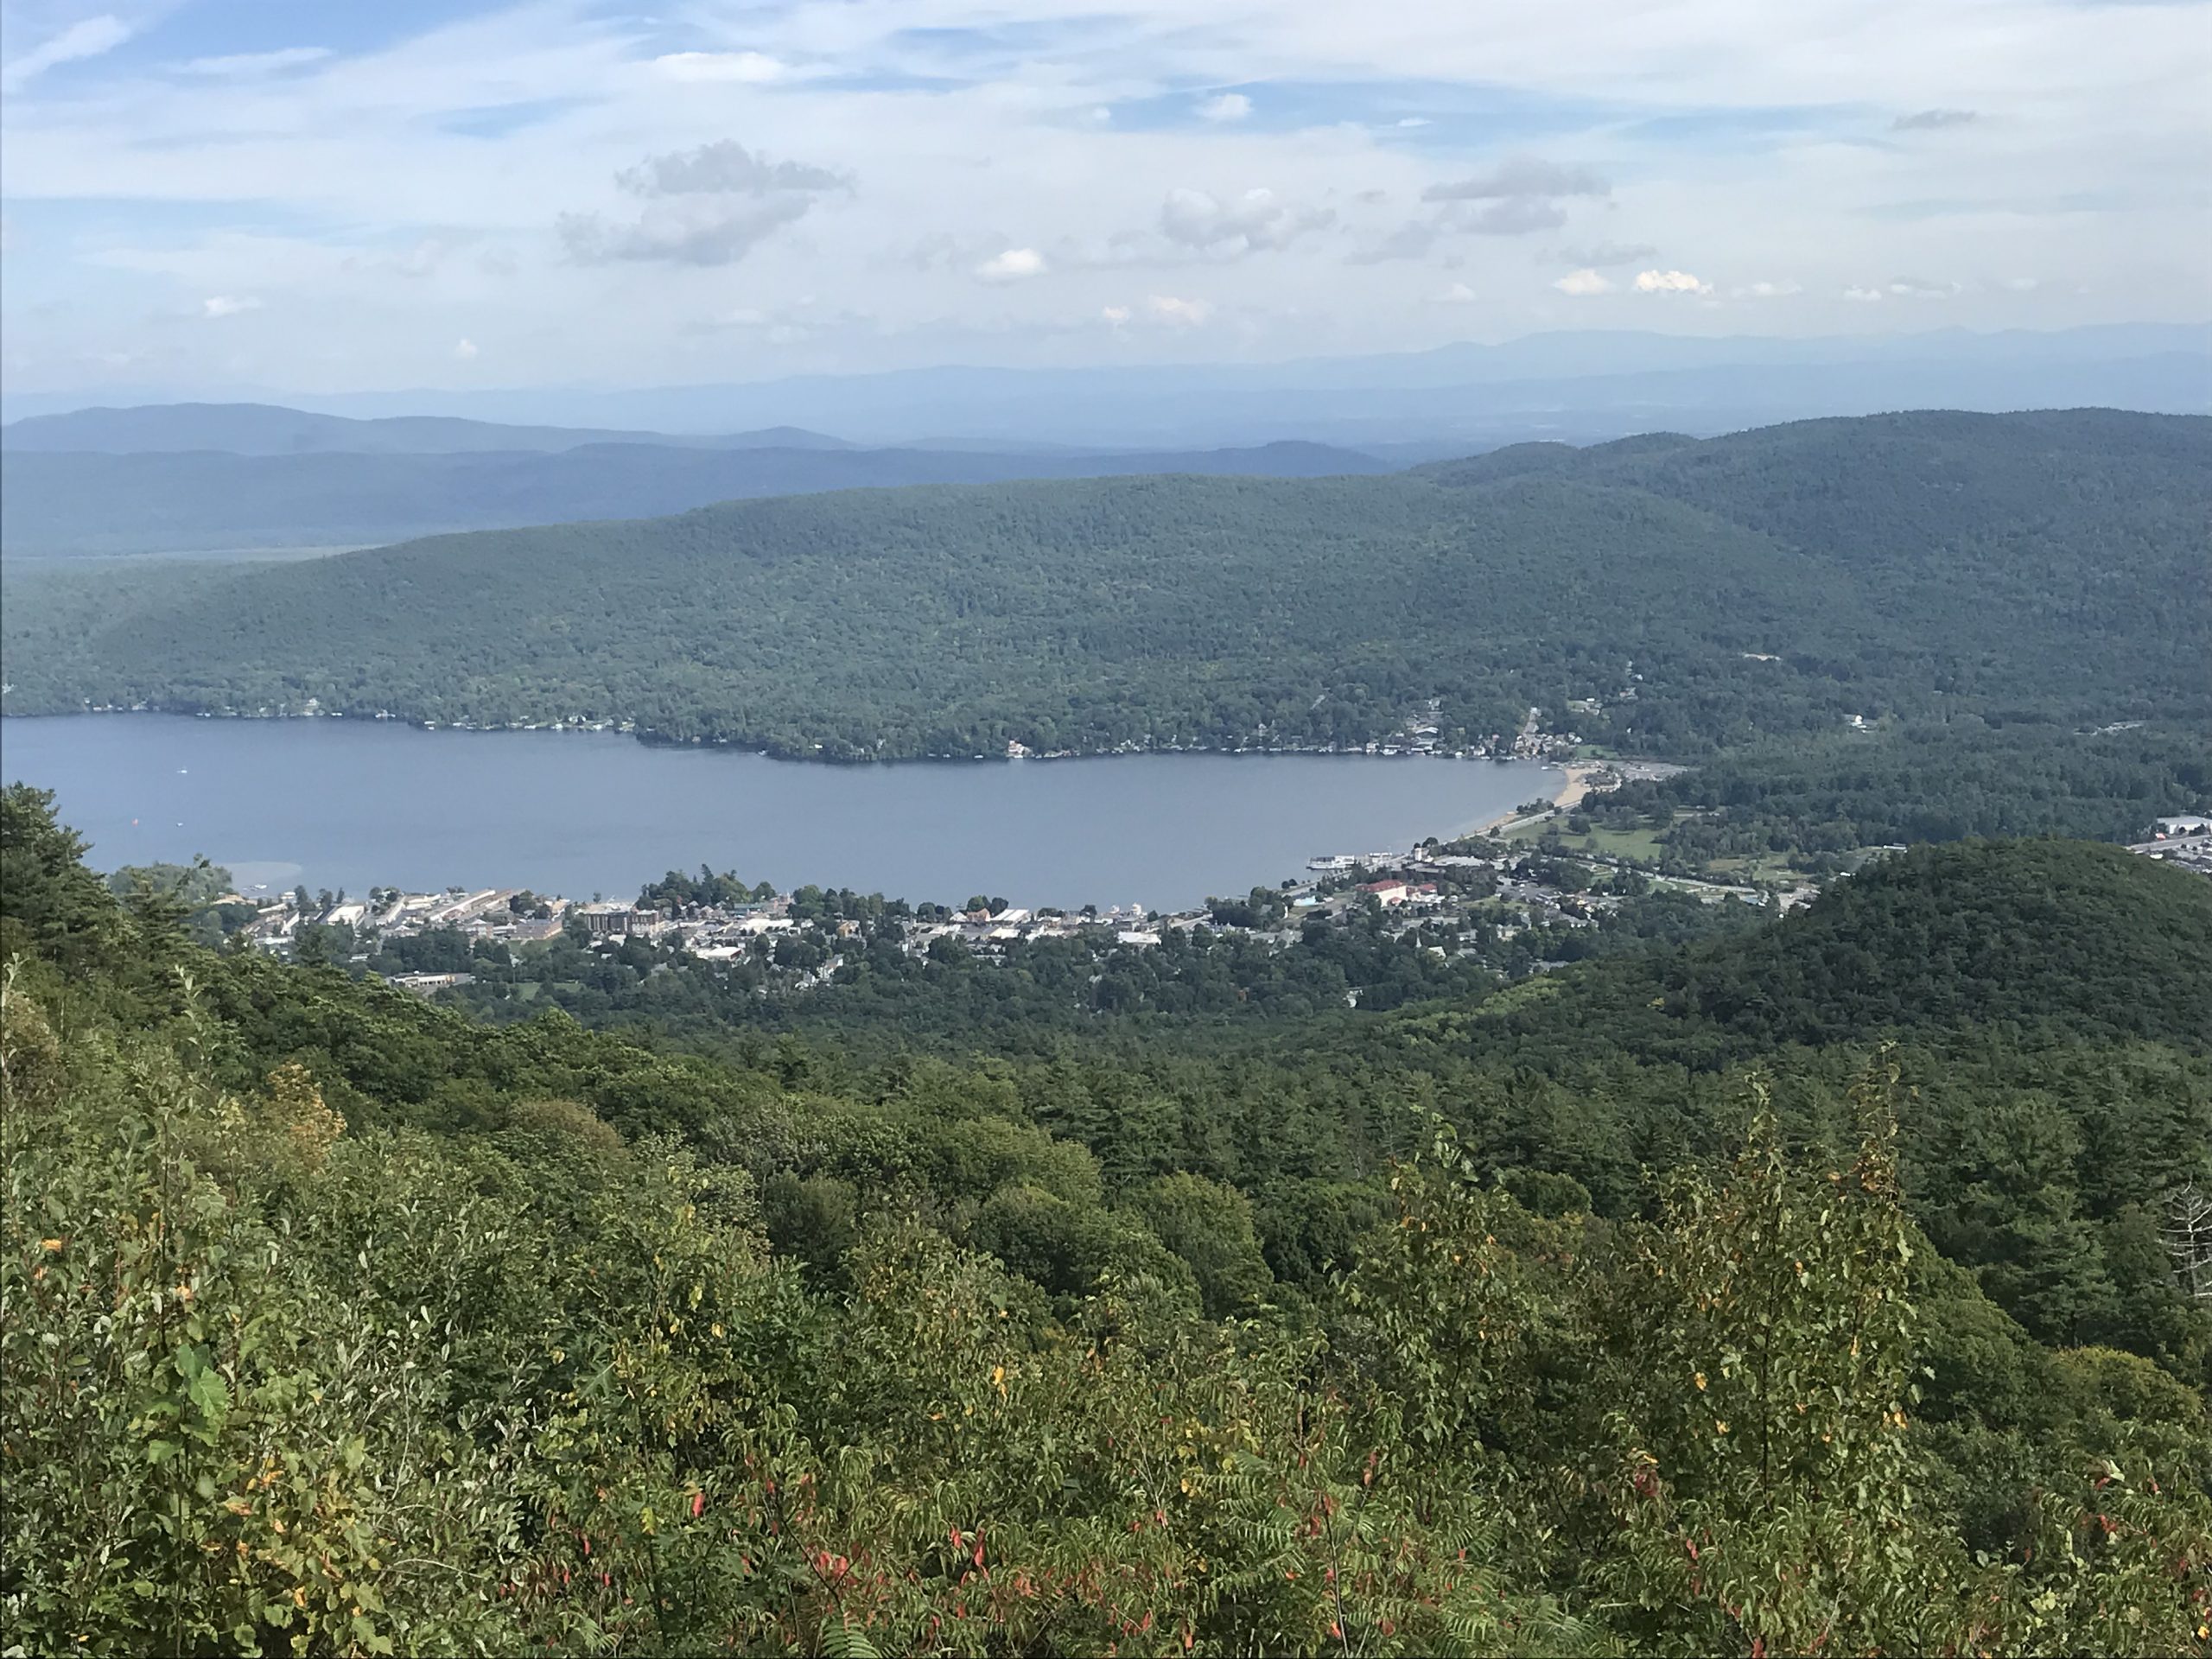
[(1574, 785)]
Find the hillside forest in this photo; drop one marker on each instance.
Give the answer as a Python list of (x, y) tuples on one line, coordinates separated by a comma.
[(1828, 1284), (2039, 575)]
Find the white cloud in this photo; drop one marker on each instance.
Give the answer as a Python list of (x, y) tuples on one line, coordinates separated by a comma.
[(1581, 285), (1748, 137), (1182, 312), (1229, 107), (87, 39), (706, 207), (1115, 314), (1413, 120), (743, 68), (1253, 221), (464, 349), (1915, 288), (257, 63), (693, 231), (1781, 290), (228, 305), (1012, 265), (1458, 293), (1670, 281), (1864, 296)]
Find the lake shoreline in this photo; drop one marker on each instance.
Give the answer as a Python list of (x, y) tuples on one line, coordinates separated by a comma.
[(657, 740), (356, 803), (1573, 789)]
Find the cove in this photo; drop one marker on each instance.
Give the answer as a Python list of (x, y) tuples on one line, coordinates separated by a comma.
[(355, 804)]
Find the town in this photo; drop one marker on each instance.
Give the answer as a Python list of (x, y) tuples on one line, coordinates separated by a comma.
[(1509, 899)]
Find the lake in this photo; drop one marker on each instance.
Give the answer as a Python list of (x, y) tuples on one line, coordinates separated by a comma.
[(356, 804)]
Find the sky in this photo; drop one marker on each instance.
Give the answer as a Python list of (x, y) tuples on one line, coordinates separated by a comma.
[(204, 194)]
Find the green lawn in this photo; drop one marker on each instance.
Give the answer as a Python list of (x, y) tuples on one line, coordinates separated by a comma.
[(1641, 845)]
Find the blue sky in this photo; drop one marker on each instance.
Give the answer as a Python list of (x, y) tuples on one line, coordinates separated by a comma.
[(203, 194)]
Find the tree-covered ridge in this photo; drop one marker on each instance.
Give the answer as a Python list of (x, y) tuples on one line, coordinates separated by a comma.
[(1773, 583), (335, 1323), (1814, 801), (2063, 938)]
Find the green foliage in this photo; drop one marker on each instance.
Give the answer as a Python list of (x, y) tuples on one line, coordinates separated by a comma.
[(1977, 565), (54, 905), (335, 1324), (2077, 939), (1817, 802)]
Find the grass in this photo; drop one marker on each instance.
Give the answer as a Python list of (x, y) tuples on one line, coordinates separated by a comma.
[(1641, 846)]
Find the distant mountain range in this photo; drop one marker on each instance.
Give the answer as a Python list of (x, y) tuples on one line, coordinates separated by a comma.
[(1584, 386), (269, 429), (175, 499), (195, 477)]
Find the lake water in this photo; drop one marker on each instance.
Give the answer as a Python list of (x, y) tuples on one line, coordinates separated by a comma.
[(356, 804)]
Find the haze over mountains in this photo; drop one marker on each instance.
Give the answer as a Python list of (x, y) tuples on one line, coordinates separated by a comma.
[(383, 467), (169, 498), (271, 429), (1585, 384)]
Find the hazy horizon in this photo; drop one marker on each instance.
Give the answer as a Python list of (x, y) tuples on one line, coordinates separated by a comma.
[(448, 197)]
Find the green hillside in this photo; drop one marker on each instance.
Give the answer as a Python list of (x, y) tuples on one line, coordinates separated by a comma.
[(2057, 939), (2047, 564), (338, 1324)]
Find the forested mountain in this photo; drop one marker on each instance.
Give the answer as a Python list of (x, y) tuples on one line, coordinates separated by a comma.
[(332, 1318), (270, 429), (2052, 936), (1690, 596), (82, 503)]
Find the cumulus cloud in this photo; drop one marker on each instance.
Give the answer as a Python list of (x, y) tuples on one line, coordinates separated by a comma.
[(464, 349), (1863, 296), (1582, 284), (1012, 265), (689, 232), (1115, 314), (1933, 120), (1670, 281), (1250, 223), (704, 206), (723, 168), (87, 38), (228, 305), (1166, 307), (1415, 238), (1520, 195), (1456, 294), (1228, 106), (1767, 290)]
